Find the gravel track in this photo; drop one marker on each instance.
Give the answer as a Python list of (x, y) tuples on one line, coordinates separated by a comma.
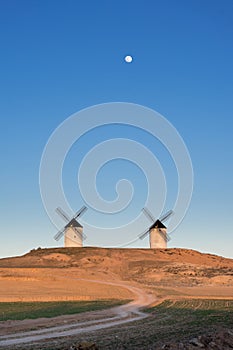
[(108, 318)]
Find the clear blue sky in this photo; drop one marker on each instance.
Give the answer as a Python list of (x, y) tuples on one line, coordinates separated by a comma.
[(58, 57)]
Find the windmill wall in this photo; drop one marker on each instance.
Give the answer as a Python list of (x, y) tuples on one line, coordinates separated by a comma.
[(158, 238), (71, 239)]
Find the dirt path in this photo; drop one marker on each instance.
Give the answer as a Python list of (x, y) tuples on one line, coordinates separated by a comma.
[(106, 318)]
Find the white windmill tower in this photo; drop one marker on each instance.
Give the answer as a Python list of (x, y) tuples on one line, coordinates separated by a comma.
[(73, 231), (157, 231)]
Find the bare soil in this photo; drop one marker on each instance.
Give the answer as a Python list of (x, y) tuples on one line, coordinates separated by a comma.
[(146, 276)]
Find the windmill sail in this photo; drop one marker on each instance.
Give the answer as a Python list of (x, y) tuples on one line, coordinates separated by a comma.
[(62, 214), (148, 214), (144, 234), (80, 212), (59, 235), (166, 216)]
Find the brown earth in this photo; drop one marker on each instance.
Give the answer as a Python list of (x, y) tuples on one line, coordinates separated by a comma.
[(99, 273), (41, 274)]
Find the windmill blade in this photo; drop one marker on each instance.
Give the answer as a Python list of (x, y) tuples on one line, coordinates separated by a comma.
[(166, 216), (144, 234), (80, 212), (62, 214), (148, 214), (79, 233), (59, 234), (164, 235)]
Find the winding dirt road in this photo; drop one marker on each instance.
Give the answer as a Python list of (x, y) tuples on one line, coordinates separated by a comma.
[(106, 318)]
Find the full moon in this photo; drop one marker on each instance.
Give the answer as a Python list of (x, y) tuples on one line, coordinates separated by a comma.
[(128, 59)]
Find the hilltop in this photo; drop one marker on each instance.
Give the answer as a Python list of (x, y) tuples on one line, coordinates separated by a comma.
[(68, 257), (175, 270)]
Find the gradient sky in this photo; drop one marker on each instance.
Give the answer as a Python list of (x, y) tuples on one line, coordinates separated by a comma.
[(58, 57)]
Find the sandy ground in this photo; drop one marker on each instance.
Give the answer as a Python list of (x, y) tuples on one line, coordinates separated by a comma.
[(54, 284), (144, 276)]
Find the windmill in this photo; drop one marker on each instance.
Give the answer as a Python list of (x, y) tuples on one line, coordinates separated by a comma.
[(157, 231), (72, 231)]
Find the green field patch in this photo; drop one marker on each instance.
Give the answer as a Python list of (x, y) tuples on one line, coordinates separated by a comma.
[(200, 312), (32, 310)]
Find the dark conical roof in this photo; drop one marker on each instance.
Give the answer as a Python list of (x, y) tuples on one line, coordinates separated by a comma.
[(73, 223), (157, 224)]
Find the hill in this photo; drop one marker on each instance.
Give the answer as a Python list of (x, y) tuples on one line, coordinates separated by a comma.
[(166, 271), (187, 295), (66, 257)]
